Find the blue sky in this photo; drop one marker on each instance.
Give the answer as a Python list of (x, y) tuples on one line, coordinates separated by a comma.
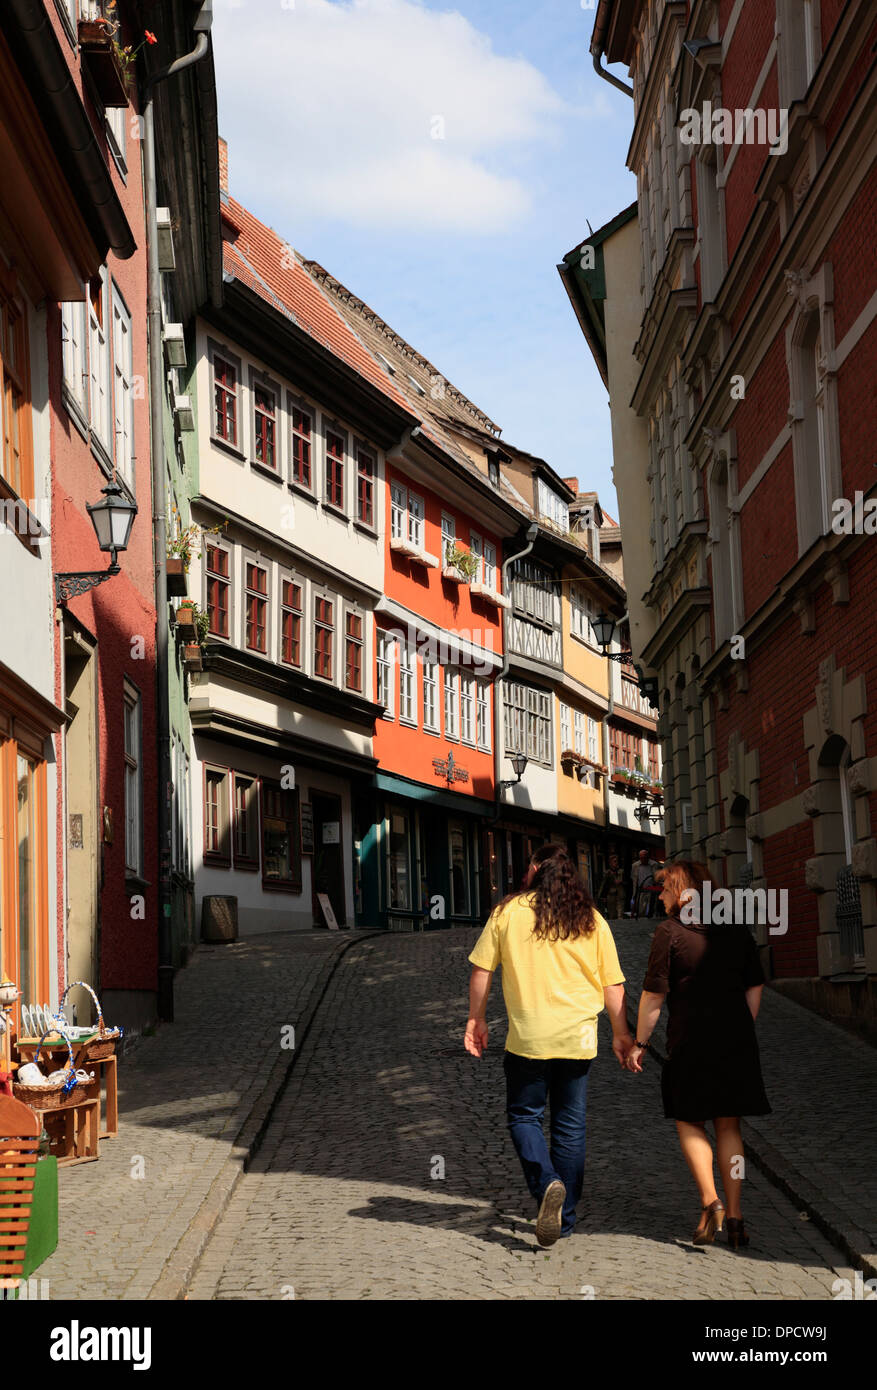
[(440, 161)]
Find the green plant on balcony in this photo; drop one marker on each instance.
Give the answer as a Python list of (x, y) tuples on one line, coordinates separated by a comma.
[(125, 54), (462, 561), (183, 545)]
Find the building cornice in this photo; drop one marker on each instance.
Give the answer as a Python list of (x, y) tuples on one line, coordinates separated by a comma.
[(233, 728)]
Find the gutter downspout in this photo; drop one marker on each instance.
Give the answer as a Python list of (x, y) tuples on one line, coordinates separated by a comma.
[(598, 38), (532, 533), (159, 516)]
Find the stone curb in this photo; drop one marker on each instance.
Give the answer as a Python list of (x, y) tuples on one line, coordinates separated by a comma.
[(180, 1267), (829, 1219)]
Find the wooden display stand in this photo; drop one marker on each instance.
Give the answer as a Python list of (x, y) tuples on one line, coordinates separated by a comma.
[(27, 1048), (73, 1131)]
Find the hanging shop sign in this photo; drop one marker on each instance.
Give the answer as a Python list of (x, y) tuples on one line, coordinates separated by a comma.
[(448, 769)]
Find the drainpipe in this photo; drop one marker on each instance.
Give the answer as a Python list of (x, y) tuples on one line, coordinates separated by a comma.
[(532, 533), (598, 38), (159, 518)]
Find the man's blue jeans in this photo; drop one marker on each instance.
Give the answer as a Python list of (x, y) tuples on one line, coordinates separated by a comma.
[(563, 1083)]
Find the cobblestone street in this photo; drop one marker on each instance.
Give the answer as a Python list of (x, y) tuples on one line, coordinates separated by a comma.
[(386, 1171)]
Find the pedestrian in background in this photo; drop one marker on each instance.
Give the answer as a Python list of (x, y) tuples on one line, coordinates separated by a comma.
[(712, 979), (559, 970), (643, 877), (611, 891)]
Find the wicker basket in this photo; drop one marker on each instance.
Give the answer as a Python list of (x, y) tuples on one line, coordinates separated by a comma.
[(104, 1045), (61, 1093)]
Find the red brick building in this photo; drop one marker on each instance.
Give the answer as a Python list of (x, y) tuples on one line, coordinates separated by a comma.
[(755, 391)]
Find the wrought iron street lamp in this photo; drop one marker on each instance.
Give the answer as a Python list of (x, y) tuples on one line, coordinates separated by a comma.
[(112, 520), (519, 763)]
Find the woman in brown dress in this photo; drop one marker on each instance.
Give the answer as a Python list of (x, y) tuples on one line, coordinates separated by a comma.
[(611, 891), (712, 980)]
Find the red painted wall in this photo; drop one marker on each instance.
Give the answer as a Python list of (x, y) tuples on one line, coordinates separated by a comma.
[(450, 607)]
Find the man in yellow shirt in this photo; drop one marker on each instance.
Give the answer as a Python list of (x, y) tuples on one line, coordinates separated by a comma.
[(559, 970)]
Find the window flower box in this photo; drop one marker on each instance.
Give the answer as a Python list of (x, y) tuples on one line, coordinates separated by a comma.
[(193, 656), (459, 566), (175, 566), (100, 54), (187, 623)]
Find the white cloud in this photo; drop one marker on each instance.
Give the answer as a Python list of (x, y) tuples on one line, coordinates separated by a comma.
[(335, 107)]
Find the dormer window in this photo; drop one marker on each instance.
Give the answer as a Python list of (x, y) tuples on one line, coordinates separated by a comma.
[(551, 505)]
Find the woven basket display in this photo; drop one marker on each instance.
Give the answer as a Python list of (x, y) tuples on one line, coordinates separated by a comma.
[(104, 1045), (61, 1093)]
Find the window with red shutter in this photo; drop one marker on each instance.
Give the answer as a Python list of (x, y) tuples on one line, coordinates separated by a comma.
[(324, 633), (353, 665), (217, 591), (257, 608), (301, 447), (290, 623), (365, 486), (263, 426), (225, 402), (334, 469)]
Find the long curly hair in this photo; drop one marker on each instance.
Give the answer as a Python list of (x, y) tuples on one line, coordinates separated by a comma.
[(563, 906)]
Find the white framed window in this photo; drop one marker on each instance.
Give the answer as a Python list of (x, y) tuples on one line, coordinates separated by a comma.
[(449, 535), (593, 729), (467, 709), (476, 549), (482, 716), (398, 507), (452, 703), (565, 727), (581, 612), (74, 352), (99, 359), (527, 713), (407, 685), (386, 656), (123, 387), (133, 739), (551, 505), (579, 732), (415, 520), (490, 566), (116, 135), (430, 696)]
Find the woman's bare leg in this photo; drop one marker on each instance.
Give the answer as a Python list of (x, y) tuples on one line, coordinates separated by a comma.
[(729, 1147), (698, 1153)]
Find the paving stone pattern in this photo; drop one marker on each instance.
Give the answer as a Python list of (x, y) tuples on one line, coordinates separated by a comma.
[(387, 1172), (184, 1096)]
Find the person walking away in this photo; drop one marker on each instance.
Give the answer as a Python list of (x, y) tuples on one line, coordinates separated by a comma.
[(643, 875), (559, 970), (612, 889), (712, 980)]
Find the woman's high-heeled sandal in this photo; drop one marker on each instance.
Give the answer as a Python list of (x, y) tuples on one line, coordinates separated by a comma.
[(737, 1236), (714, 1222)]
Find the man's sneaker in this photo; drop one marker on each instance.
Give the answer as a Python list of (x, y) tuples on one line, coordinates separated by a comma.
[(550, 1213)]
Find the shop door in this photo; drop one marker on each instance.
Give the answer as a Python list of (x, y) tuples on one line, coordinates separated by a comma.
[(328, 864)]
